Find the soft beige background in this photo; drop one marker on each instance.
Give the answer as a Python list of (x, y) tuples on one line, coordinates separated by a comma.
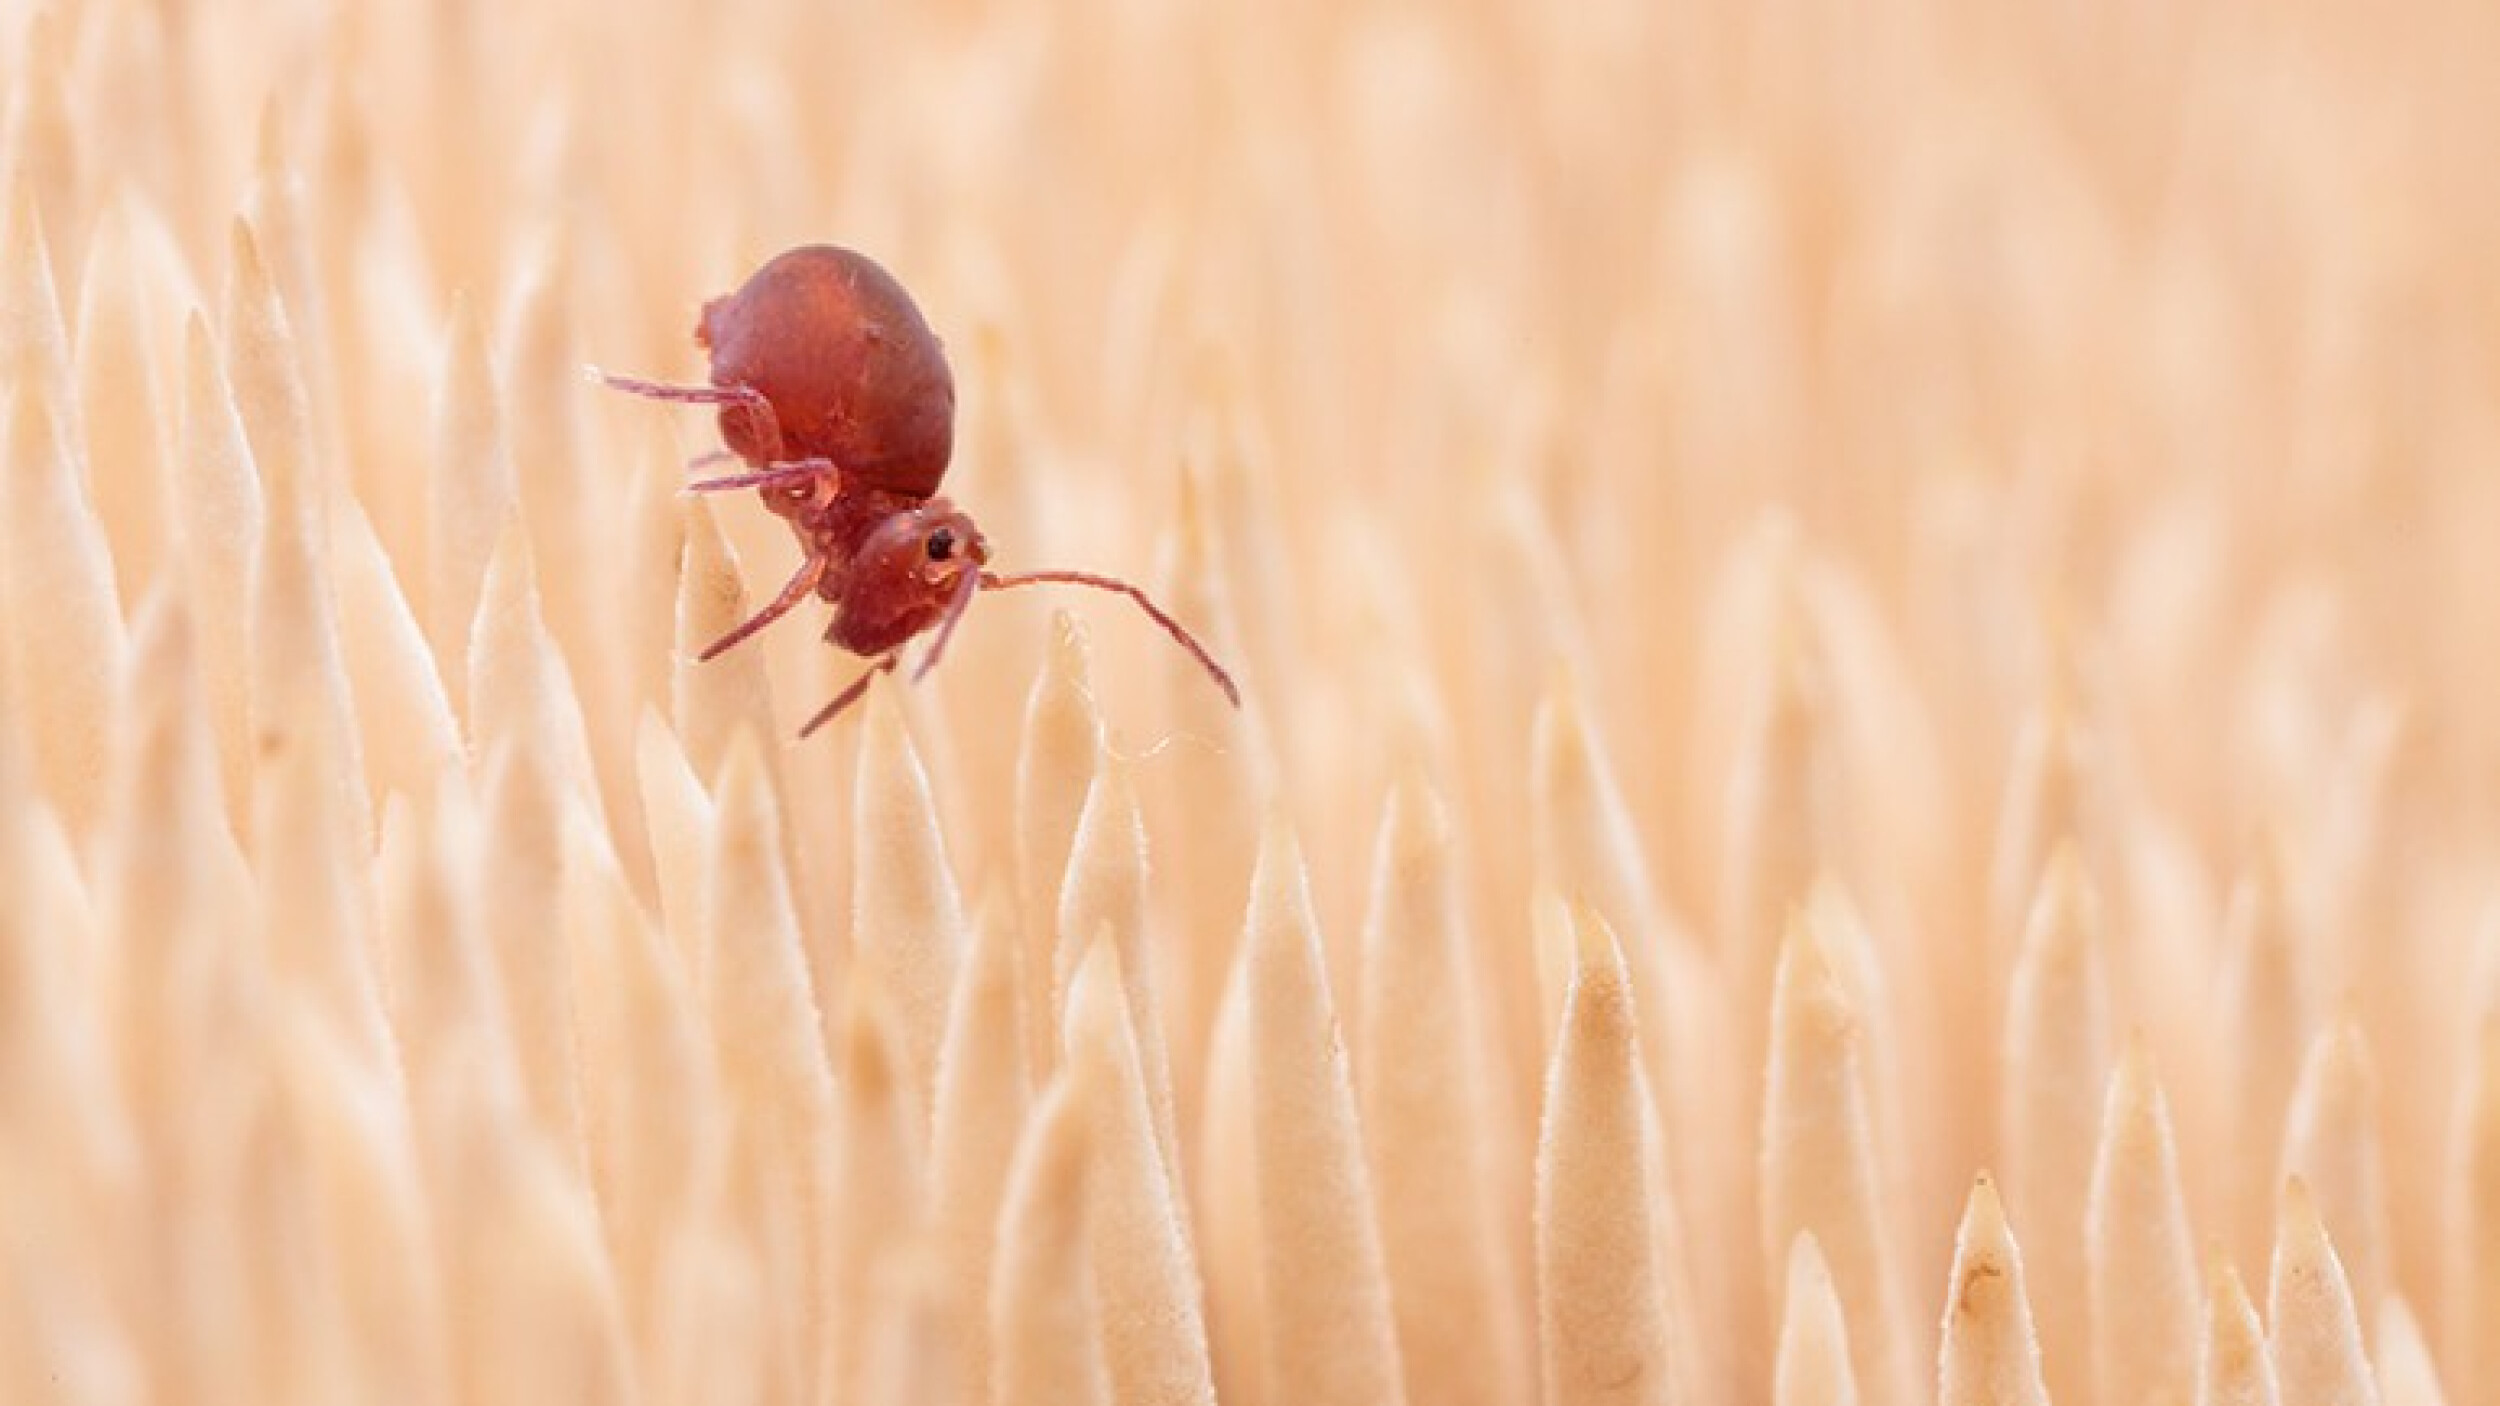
[(1831, 597)]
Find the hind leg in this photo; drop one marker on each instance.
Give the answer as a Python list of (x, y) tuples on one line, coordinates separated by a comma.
[(793, 474), (766, 424)]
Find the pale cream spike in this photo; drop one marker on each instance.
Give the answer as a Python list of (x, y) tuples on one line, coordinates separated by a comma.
[(301, 698), (874, 1225), (1973, 976), (1989, 1356), (342, 159), (551, 1328), (520, 690), (1586, 849), (2472, 1212), (2042, 811), (1604, 1315), (64, 1333), (2056, 1083), (1775, 844), (1194, 581), (266, 370), (124, 402), (677, 819), (2140, 1263), (1756, 593), (1211, 787), (204, 1025), (447, 1001), (218, 531), (1819, 1170), (1540, 610), (905, 1359), (291, 1309), (173, 879), (650, 1106), (907, 920), (980, 1104), (462, 172), (471, 494), (2232, 1367), (762, 1012), (44, 140), (1813, 1364), (706, 1339), (275, 205), (1223, 1195), (575, 496), (1042, 1317), (1583, 836), (1549, 928), (641, 579), (2314, 1336), (2265, 1029), (1154, 1338), (147, 77), (2406, 1376), (1423, 1064), (313, 823), (1106, 890), (1055, 769), (64, 643), (711, 701), (560, 486), (539, 1318), (61, 1340), (1861, 969), (1103, 884), (300, 690), (1331, 1340), (390, 323), (523, 865), (366, 1209), (2330, 1142), (412, 741), (56, 1089), (35, 354)]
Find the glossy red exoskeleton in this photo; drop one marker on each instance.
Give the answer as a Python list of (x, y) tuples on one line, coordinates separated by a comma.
[(836, 395)]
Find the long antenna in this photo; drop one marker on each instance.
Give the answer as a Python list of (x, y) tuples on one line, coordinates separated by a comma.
[(991, 581)]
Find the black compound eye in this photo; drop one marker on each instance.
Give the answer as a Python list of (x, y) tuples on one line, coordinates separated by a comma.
[(942, 544)]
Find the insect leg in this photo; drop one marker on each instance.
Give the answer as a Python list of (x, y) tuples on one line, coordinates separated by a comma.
[(788, 474), (809, 573), (851, 695), (689, 395), (967, 585), (753, 400)]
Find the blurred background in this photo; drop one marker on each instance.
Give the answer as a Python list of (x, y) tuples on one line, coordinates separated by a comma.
[(1910, 436)]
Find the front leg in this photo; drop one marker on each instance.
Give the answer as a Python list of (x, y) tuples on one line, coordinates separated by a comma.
[(851, 695), (809, 573)]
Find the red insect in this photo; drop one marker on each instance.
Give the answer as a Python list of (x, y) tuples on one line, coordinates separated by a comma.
[(834, 392)]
